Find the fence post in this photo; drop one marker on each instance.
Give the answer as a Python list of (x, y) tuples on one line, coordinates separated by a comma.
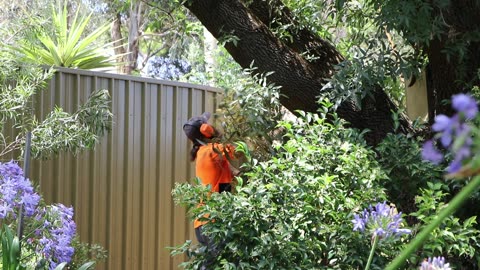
[(26, 167)]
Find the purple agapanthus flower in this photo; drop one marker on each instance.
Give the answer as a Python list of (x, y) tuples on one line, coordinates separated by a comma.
[(465, 104), (436, 263), (16, 191), (429, 152), (450, 130), (381, 221), (53, 239), (56, 236)]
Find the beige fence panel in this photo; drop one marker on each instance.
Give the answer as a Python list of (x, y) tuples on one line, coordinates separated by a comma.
[(121, 191)]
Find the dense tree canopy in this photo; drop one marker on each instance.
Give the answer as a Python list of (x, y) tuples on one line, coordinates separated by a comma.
[(273, 35), (356, 53)]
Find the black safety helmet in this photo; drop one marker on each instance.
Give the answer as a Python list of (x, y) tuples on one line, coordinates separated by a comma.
[(193, 125)]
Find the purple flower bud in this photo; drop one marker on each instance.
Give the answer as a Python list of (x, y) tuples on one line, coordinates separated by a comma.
[(436, 263), (453, 133), (16, 190), (442, 123), (57, 234), (430, 153), (465, 104)]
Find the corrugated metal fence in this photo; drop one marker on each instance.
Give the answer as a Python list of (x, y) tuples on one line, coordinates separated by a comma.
[(121, 191)]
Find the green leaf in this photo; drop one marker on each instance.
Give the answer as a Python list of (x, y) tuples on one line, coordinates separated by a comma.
[(86, 266), (68, 46), (14, 253), (61, 266)]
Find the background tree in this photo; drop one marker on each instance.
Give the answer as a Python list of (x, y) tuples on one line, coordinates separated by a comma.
[(21, 78), (145, 29), (135, 11)]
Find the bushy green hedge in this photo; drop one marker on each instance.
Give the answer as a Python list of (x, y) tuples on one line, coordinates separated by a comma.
[(295, 210)]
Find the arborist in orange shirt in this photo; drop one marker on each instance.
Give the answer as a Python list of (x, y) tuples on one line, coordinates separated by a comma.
[(212, 162)]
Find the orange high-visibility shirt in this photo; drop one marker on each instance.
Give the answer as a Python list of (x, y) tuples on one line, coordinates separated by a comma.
[(212, 167)]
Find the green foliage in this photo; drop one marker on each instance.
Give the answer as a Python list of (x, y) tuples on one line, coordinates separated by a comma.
[(250, 112), (456, 239), (376, 55), (67, 45), (418, 189), (295, 210), (18, 83), (172, 27), (370, 66), (407, 171), (60, 130), (415, 20), (10, 250), (73, 132), (86, 252)]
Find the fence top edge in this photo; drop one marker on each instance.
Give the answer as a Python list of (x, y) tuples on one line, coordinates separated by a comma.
[(135, 78)]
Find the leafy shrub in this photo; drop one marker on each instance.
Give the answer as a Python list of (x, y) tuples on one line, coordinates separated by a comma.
[(86, 252), (48, 230), (74, 132), (421, 190), (295, 211), (250, 112), (456, 239), (399, 156)]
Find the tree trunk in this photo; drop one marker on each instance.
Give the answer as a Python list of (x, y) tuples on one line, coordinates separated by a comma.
[(119, 49), (301, 80), (134, 26), (129, 52), (451, 72)]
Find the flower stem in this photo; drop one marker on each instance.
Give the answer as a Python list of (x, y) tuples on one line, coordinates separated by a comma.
[(372, 251), (452, 206)]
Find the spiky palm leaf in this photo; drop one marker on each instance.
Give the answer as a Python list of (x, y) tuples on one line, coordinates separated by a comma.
[(66, 46)]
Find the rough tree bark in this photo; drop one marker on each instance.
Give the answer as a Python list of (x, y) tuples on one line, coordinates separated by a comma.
[(129, 52), (301, 80), (119, 49), (455, 73)]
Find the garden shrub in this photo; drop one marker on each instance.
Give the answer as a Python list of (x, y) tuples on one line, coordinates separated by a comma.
[(399, 156), (49, 234), (456, 239), (296, 210), (250, 111), (419, 189)]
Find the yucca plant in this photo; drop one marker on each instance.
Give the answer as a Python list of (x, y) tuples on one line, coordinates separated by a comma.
[(68, 45)]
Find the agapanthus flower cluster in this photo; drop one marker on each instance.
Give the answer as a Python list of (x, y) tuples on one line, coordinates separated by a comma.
[(56, 234), (16, 191), (436, 263), (453, 133), (53, 237), (380, 221)]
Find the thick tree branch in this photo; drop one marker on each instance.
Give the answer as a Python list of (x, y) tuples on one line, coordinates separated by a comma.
[(453, 71), (301, 40), (301, 80)]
